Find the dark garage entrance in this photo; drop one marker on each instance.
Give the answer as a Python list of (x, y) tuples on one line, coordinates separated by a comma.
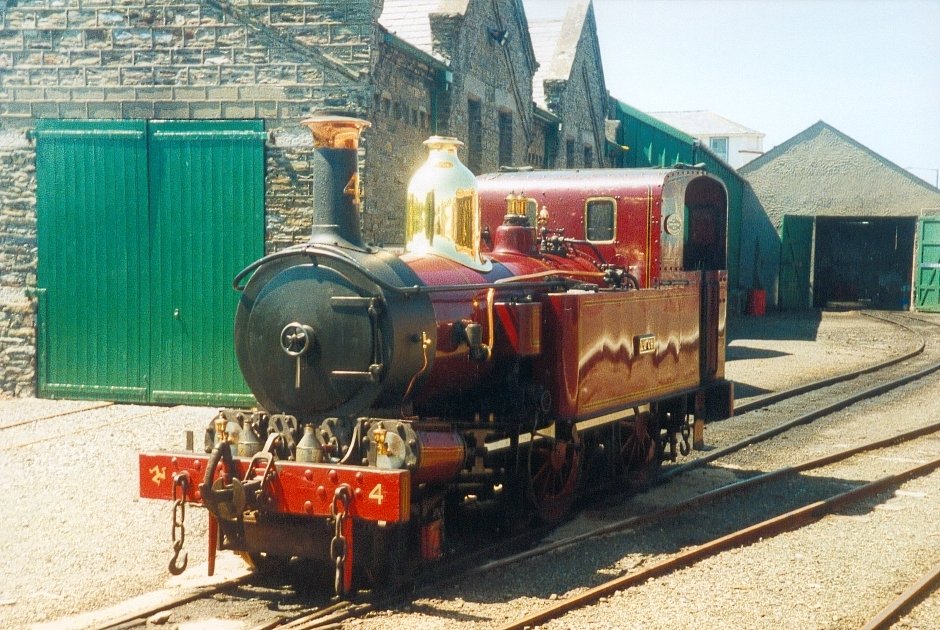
[(863, 261)]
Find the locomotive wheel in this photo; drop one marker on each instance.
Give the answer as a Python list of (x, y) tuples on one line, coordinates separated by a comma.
[(554, 470), (639, 450)]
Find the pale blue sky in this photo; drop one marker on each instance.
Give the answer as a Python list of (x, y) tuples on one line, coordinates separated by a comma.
[(869, 68)]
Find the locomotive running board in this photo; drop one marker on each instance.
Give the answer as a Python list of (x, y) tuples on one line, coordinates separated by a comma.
[(582, 426)]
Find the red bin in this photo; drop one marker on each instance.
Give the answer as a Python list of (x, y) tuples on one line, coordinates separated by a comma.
[(756, 302)]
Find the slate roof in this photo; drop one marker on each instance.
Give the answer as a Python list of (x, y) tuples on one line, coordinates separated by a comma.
[(703, 123), (555, 43), (544, 34), (408, 19)]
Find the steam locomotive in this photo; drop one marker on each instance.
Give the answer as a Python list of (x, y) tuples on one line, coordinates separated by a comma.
[(543, 334)]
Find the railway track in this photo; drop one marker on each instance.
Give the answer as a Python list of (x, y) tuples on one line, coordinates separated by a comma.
[(305, 611), (774, 397), (771, 526), (122, 415), (746, 535), (329, 616), (778, 523), (12, 424), (905, 601), (762, 436)]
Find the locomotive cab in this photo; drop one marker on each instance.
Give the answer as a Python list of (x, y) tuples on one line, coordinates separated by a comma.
[(694, 221)]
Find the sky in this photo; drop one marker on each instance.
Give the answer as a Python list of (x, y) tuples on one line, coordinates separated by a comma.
[(869, 68)]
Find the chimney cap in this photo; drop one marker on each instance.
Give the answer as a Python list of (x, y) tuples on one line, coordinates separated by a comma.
[(336, 129)]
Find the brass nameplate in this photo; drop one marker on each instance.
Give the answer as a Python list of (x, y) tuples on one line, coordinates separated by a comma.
[(645, 344)]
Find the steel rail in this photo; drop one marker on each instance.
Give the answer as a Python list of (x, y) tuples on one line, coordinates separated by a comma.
[(140, 616), (905, 600), (806, 418), (334, 615), (771, 527), (317, 618), (739, 486), (52, 416), (85, 429), (705, 498), (325, 617), (773, 397)]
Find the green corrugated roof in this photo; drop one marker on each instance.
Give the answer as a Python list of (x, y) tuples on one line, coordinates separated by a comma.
[(652, 122)]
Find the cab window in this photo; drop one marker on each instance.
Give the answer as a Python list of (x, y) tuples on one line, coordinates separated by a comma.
[(600, 219)]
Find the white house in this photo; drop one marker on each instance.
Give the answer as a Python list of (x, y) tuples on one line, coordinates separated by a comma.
[(735, 144)]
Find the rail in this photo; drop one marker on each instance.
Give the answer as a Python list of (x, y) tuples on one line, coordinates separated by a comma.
[(770, 527)]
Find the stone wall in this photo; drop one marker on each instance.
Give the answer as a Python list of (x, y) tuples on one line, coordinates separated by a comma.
[(17, 266), (402, 117), (253, 59), (149, 59), (580, 100), (498, 76)]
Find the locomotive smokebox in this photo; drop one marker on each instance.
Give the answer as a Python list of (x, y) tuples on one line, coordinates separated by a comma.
[(335, 167), (331, 328)]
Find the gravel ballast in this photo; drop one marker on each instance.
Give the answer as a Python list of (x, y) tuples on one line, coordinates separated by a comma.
[(78, 538)]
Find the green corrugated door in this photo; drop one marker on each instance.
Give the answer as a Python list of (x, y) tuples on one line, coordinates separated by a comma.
[(207, 214), (142, 227), (796, 252), (927, 292), (91, 180)]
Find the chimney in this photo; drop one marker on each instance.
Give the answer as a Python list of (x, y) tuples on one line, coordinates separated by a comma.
[(335, 167)]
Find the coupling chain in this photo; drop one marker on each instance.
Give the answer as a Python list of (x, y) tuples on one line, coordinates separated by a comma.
[(180, 482), (340, 511)]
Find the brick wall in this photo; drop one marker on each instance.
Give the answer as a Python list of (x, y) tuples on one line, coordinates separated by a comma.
[(146, 59)]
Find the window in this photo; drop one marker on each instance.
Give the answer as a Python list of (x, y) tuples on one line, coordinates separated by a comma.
[(505, 139), (600, 219), (569, 154), (474, 136), (588, 157), (719, 146)]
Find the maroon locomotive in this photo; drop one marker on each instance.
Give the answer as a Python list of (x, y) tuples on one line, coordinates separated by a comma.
[(544, 333)]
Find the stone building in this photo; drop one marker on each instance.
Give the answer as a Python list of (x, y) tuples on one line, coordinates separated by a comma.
[(847, 220), (149, 150), (76, 64), (459, 68), (570, 84)]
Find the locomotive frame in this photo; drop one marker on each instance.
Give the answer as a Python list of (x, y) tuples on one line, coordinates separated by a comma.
[(544, 334)]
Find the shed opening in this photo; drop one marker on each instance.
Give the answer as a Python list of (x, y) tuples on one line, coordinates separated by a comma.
[(863, 262)]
